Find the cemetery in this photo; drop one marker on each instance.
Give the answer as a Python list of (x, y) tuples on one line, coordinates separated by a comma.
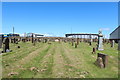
[(79, 56)]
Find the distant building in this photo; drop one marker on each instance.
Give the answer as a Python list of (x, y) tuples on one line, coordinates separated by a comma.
[(115, 35), (34, 34)]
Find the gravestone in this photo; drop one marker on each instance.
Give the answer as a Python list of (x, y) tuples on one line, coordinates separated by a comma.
[(119, 45), (90, 40), (14, 40), (32, 38), (112, 43), (0, 41), (77, 41), (72, 43), (94, 51), (34, 43), (11, 40), (23, 40), (75, 45), (45, 40), (5, 45), (90, 43), (100, 41), (104, 59), (99, 62)]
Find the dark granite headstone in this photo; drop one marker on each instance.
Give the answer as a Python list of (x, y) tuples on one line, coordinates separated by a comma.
[(0, 41), (94, 50), (5, 45)]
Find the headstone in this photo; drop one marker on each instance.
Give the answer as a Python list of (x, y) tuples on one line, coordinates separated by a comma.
[(23, 40), (77, 41), (14, 40), (100, 41), (5, 44), (32, 38), (94, 51), (75, 45), (90, 40), (112, 43), (104, 58), (72, 43), (0, 41), (119, 45), (34, 43), (99, 62), (90, 43), (11, 40), (45, 40)]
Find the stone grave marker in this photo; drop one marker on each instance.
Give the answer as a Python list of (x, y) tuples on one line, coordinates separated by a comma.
[(14, 40), (77, 41), (6, 45), (112, 43), (99, 62), (90, 43), (94, 51), (102, 59), (100, 41), (32, 38), (119, 45), (72, 43), (75, 45), (0, 41)]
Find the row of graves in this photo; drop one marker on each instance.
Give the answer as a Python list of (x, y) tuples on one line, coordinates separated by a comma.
[(101, 61)]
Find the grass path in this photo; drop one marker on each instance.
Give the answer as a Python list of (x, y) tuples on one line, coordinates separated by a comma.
[(58, 68)]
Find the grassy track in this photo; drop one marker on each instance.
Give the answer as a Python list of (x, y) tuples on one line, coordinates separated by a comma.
[(58, 60)]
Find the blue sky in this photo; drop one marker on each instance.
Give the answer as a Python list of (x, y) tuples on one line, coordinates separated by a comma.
[(58, 18)]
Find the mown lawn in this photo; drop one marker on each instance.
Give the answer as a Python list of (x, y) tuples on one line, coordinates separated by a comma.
[(57, 60)]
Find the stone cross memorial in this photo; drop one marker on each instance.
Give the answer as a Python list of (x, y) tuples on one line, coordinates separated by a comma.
[(100, 41)]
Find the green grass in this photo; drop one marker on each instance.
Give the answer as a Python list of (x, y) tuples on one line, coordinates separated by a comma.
[(58, 60)]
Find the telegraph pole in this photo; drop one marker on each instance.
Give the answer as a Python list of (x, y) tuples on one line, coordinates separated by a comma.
[(13, 29)]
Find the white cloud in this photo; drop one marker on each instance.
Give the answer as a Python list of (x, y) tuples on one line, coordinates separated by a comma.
[(105, 29), (48, 35)]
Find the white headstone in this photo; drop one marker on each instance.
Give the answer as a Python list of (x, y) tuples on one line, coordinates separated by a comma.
[(100, 41)]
